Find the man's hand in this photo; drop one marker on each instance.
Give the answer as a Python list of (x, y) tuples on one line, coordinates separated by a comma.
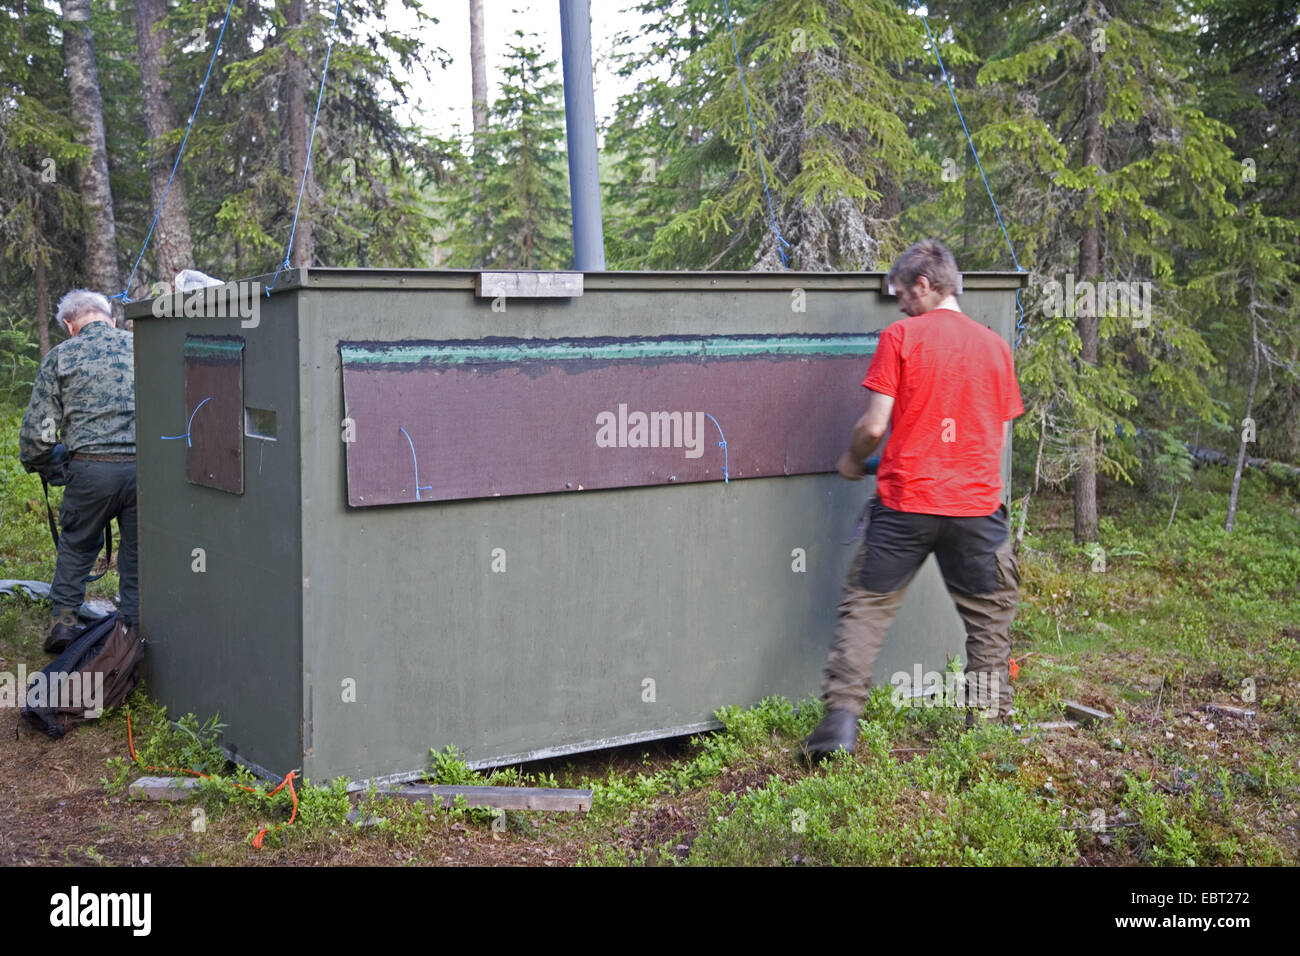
[(850, 467)]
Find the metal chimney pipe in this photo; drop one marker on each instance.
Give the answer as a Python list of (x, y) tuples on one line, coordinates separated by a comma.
[(580, 124)]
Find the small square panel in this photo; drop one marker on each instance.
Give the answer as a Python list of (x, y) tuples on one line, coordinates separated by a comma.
[(260, 423)]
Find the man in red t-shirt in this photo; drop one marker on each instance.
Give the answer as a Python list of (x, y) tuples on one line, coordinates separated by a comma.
[(945, 388)]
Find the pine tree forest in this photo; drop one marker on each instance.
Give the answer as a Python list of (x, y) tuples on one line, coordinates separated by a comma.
[(1149, 148)]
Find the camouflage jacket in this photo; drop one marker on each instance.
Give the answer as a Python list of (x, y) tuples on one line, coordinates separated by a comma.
[(84, 396)]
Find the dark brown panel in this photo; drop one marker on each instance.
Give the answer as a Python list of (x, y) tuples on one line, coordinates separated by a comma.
[(214, 401), (448, 420)]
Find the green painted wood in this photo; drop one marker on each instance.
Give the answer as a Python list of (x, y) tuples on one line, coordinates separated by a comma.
[(226, 640), (351, 641), (468, 353)]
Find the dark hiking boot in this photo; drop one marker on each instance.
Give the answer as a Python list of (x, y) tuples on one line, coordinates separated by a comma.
[(837, 730), (64, 629)]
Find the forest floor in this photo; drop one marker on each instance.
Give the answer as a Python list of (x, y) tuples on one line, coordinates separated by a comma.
[(1180, 619)]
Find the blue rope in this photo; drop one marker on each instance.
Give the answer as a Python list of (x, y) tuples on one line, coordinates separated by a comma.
[(934, 45), (726, 471), (188, 425), (418, 487), (329, 48), (781, 244), (176, 165)]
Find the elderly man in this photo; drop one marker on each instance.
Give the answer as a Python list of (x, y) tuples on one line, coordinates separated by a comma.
[(84, 397), (945, 388)]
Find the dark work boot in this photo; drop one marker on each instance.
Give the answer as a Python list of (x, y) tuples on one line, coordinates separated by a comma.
[(838, 729), (64, 629)]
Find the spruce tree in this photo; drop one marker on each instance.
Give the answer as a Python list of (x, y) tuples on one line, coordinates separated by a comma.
[(369, 167), (39, 206), (652, 142), (830, 87), (517, 216), (1124, 184), (1253, 84)]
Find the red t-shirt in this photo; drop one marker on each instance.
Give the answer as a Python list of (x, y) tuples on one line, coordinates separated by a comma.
[(954, 385)]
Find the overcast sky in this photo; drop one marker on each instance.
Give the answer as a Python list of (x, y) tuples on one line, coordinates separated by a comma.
[(444, 103)]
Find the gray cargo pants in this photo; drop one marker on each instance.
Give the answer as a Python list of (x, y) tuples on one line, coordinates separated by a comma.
[(983, 579), (96, 492)]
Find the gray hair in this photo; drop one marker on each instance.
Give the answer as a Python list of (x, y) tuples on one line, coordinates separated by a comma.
[(929, 258), (80, 301)]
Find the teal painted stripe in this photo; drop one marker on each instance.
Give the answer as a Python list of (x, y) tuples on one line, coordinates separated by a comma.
[(213, 348), (616, 350)]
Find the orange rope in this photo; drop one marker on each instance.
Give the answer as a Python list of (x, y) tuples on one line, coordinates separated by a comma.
[(257, 840)]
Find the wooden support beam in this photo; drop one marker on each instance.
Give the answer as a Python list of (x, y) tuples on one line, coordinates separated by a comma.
[(1056, 725), (1229, 710), (1086, 715), (171, 789), (495, 798)]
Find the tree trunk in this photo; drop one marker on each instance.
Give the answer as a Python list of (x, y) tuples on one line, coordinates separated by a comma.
[(92, 175), (478, 72), (40, 268), (479, 99), (304, 243), (42, 298), (1250, 406), (1085, 479), (173, 248), (1038, 458), (695, 133)]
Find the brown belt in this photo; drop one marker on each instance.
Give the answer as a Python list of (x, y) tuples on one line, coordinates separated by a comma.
[(82, 456)]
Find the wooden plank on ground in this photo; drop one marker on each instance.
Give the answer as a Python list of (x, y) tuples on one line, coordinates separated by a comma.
[(496, 798), (1229, 710), (1086, 715), (1056, 725), (170, 789)]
